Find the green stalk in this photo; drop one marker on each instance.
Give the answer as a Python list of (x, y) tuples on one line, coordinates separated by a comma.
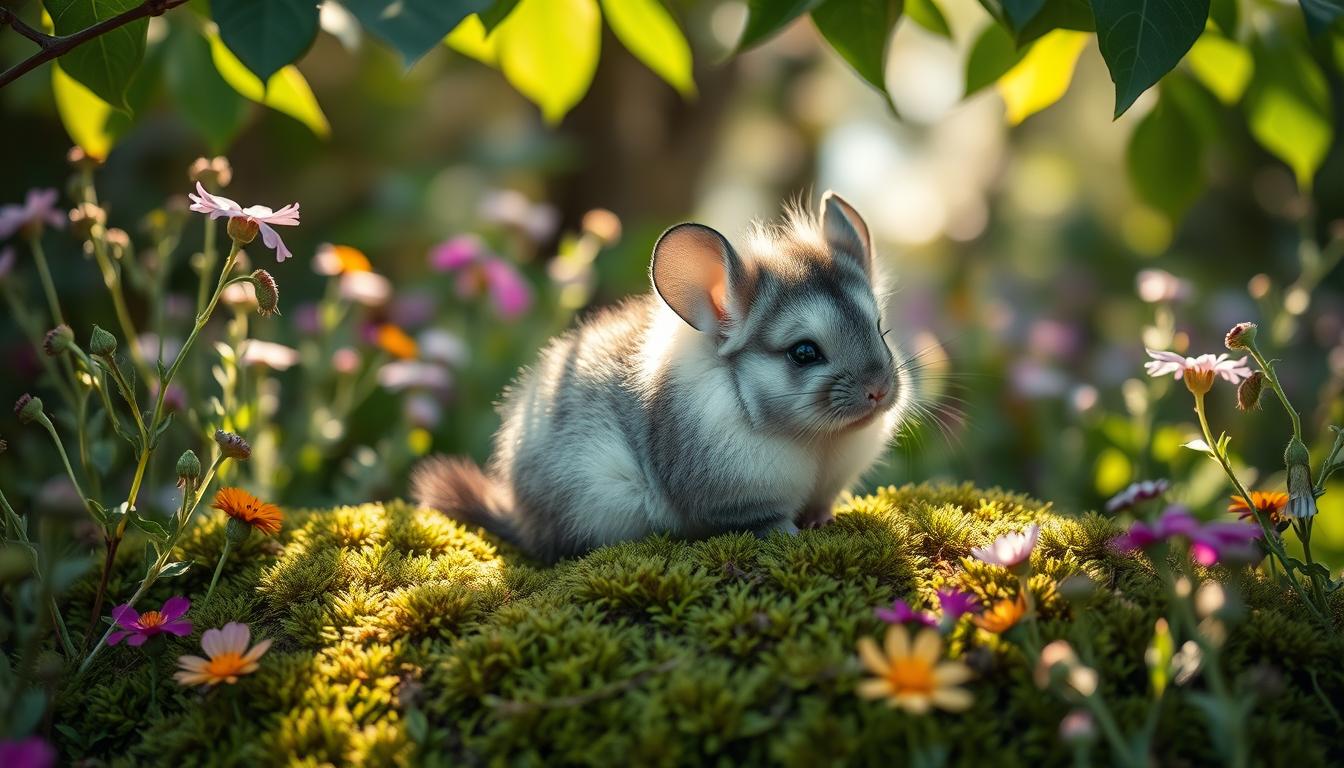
[(12, 520), (44, 273), (65, 459), (219, 568)]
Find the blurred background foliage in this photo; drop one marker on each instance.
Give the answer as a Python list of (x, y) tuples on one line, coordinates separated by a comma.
[(1038, 241)]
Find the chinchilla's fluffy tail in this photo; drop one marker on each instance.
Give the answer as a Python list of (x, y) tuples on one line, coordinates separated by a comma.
[(458, 488)]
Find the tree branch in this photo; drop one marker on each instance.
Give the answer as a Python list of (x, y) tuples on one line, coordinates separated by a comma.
[(52, 47)]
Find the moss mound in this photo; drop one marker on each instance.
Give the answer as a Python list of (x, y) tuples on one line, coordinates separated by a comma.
[(403, 638)]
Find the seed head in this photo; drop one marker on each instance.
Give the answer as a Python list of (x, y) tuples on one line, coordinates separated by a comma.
[(243, 230), (1241, 336), (27, 408), (58, 340), (233, 446), (268, 293), (1248, 392)]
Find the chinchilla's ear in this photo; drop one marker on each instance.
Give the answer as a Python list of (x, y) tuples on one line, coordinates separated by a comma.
[(845, 232), (699, 275)]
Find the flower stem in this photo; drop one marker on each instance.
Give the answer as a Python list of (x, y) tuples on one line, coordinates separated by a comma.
[(65, 459), (44, 274), (1273, 379), (20, 533), (223, 555)]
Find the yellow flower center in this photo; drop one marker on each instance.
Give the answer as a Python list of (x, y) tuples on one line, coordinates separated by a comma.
[(225, 664), (910, 675), (1198, 382), (150, 619)]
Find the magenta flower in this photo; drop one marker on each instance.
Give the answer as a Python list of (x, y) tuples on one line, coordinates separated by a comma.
[(31, 752), (1209, 542), (1137, 493), (136, 628), (1010, 550), (954, 603), (265, 219), (38, 209), (901, 613), (476, 269)]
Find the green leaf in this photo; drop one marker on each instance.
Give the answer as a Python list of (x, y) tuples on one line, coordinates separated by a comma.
[(926, 14), (150, 527), (209, 105), (1020, 12), (413, 27), (1165, 159), (285, 92), (497, 13), (470, 38), (84, 115), (1227, 15), (1321, 14), (648, 31), (548, 50), (1057, 14), (266, 34), (860, 31), (992, 55), (1042, 76), (1222, 65), (106, 63), (1288, 106), (765, 18), (1143, 41), (172, 570)]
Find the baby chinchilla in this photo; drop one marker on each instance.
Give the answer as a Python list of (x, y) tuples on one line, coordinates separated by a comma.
[(744, 393)]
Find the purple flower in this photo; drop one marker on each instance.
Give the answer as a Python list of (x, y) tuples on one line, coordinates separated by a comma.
[(955, 603), (31, 752), (477, 269), (1209, 542), (136, 628), (1137, 493), (38, 208), (457, 253), (901, 613)]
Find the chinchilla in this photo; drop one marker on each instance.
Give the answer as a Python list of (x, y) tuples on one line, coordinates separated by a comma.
[(744, 393)]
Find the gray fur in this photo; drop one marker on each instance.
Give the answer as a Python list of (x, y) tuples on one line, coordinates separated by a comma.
[(635, 422)]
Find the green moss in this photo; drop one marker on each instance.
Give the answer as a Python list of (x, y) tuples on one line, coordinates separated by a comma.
[(401, 637)]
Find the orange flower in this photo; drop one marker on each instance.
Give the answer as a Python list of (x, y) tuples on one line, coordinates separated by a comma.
[(229, 655), (396, 342), (246, 508), (1002, 615), (340, 260), (1271, 503), (913, 675)]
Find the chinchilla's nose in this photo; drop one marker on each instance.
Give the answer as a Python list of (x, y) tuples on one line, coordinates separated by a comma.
[(880, 382)]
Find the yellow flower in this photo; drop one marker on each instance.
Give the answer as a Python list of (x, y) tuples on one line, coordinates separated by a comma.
[(229, 657), (396, 342), (340, 260), (913, 677), (1002, 615), (246, 508)]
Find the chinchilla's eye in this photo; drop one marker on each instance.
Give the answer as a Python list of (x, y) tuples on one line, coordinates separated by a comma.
[(806, 352)]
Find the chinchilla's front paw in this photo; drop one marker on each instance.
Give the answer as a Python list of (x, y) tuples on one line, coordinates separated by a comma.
[(816, 516), (785, 527)]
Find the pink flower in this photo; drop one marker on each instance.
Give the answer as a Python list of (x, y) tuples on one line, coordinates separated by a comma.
[(1209, 542), (1010, 550), (1197, 372), (31, 752), (38, 209), (901, 613), (955, 603), (229, 657), (136, 628), (7, 259), (265, 219), (1157, 285), (477, 268), (277, 357)]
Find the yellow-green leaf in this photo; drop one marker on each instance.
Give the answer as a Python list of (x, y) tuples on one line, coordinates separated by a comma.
[(1222, 65), (1288, 106), (287, 91), (471, 39), (648, 31), (548, 50), (1042, 76), (84, 115)]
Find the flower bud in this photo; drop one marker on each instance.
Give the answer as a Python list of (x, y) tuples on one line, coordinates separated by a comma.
[(268, 293), (1078, 727), (237, 531), (118, 243), (212, 172), (603, 225), (27, 408), (188, 468), (1248, 392), (1301, 493), (1241, 336), (58, 340), (85, 219), (102, 343), (243, 230), (233, 446)]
